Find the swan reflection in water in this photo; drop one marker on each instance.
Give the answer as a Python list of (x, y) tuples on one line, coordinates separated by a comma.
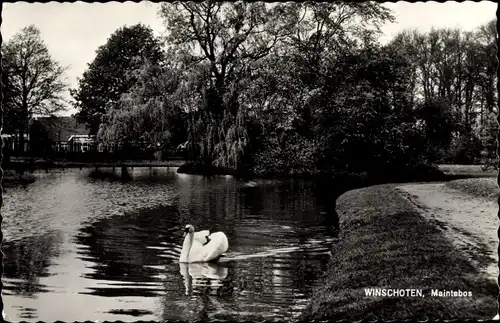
[(202, 275)]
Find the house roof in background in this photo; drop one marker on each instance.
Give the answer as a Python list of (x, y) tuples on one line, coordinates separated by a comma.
[(62, 128)]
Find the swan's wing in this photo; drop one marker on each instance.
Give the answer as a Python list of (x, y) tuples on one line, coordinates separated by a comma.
[(198, 252), (211, 251), (216, 247), (201, 236)]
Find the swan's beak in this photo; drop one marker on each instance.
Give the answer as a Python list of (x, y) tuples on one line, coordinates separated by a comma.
[(184, 234)]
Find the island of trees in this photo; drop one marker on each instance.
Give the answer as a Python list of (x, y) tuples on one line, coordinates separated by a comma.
[(285, 89)]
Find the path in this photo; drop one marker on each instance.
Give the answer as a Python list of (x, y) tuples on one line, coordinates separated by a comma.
[(471, 223)]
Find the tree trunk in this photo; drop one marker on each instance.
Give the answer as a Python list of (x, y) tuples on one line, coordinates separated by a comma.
[(23, 124)]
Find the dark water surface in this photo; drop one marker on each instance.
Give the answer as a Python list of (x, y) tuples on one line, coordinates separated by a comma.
[(78, 248)]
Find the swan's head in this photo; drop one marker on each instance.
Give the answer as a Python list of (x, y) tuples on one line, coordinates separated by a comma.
[(188, 229)]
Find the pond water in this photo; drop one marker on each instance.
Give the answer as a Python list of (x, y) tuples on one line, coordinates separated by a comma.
[(80, 248)]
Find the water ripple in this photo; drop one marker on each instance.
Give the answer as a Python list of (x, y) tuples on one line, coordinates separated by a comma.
[(114, 246)]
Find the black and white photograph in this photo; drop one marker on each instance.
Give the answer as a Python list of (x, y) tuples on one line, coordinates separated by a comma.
[(249, 161)]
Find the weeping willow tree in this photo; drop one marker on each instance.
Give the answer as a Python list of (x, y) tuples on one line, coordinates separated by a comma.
[(234, 46), (220, 140), (220, 40), (149, 116)]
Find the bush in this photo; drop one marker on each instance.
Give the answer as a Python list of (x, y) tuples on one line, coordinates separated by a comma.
[(463, 151), (286, 154)]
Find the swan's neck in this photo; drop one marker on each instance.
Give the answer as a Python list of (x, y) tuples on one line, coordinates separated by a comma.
[(186, 247)]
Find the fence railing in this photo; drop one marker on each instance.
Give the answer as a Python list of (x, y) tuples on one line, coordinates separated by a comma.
[(93, 155)]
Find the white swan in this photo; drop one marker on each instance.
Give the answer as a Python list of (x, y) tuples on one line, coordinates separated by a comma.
[(201, 247), (497, 317), (202, 236)]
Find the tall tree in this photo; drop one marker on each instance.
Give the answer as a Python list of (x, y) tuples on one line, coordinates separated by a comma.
[(223, 39), (459, 68), (35, 81), (231, 41), (487, 36), (11, 119), (111, 72)]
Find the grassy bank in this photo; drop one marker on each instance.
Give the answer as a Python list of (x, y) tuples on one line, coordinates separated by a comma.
[(386, 243), (479, 187), (12, 178)]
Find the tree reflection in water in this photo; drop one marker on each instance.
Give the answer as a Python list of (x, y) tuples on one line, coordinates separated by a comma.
[(120, 250), (27, 260)]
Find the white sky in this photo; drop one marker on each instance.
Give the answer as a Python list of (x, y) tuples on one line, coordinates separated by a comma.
[(73, 31)]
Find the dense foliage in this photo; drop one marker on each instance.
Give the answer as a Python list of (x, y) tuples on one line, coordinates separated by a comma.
[(305, 88), (455, 85), (146, 116), (290, 88), (110, 74), (33, 81)]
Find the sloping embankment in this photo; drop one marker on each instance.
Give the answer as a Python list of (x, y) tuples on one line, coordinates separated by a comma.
[(386, 243), (466, 211)]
